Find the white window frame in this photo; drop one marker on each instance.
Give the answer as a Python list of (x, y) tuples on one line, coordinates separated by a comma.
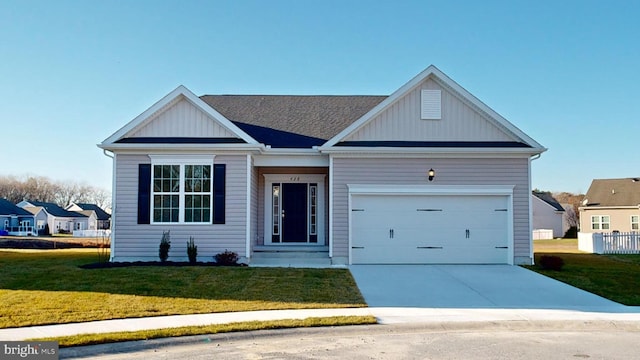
[(182, 161), (600, 222), (636, 222)]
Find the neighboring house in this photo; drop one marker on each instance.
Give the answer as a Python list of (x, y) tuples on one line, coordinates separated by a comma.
[(548, 214), (41, 218), (103, 219), (611, 205), (429, 174), (58, 219), (15, 221)]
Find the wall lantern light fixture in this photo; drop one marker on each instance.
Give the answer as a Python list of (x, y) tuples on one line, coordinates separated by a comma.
[(432, 174)]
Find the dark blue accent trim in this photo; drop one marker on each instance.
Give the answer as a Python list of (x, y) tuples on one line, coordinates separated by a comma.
[(219, 180), (144, 193), (434, 144), (279, 138), (179, 140)]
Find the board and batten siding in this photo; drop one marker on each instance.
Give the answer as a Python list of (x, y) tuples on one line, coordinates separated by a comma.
[(412, 171), (182, 119), (135, 241), (402, 121)]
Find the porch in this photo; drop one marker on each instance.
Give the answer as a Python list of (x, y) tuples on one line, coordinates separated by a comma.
[(22, 230), (310, 256)]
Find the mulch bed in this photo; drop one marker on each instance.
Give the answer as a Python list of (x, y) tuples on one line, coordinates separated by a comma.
[(108, 265)]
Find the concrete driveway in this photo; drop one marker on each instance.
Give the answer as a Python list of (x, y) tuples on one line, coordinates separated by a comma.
[(472, 287)]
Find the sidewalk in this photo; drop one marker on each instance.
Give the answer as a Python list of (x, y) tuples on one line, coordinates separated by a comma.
[(385, 315)]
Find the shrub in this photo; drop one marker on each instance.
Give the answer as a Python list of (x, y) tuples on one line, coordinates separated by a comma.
[(551, 262), (226, 258), (192, 250), (165, 245), (572, 233)]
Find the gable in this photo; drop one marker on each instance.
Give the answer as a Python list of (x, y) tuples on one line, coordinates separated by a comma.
[(181, 119), (178, 118), (454, 118), (404, 120)]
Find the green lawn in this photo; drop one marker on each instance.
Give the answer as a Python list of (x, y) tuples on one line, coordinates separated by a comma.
[(48, 287), (615, 277)]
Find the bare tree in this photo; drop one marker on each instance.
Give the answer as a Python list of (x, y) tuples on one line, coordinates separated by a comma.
[(40, 188), (573, 201)]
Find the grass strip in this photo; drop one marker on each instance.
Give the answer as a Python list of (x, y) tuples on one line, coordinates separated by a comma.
[(47, 287), (615, 277), (104, 338)]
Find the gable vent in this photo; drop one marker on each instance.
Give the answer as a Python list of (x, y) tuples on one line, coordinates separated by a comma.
[(431, 105)]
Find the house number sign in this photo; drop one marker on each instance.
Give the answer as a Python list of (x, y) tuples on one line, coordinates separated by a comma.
[(294, 178)]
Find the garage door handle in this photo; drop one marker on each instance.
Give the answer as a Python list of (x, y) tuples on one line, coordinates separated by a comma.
[(502, 247), (429, 247), (357, 247)]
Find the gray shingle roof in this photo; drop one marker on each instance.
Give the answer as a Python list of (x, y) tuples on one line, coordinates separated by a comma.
[(100, 214), (549, 199), (317, 116), (614, 192), (56, 210)]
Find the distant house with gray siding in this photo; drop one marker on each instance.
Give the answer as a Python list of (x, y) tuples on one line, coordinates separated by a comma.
[(15, 221), (58, 219), (426, 175), (548, 214)]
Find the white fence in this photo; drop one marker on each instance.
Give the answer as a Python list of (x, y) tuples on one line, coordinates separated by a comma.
[(542, 234), (91, 233), (610, 243)]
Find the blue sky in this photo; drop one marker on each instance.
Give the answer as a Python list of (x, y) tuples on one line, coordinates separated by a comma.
[(565, 72)]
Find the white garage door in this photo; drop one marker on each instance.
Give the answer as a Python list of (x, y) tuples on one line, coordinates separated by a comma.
[(429, 229)]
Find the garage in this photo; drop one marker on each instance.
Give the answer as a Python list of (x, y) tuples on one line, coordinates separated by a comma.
[(431, 227)]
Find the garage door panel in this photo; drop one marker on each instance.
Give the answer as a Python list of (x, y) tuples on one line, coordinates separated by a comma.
[(423, 229)]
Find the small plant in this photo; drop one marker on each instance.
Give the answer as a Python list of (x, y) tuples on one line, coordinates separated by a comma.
[(165, 245), (226, 258), (551, 262), (192, 250), (103, 248)]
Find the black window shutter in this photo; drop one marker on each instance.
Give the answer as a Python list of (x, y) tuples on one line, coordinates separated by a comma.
[(219, 180), (144, 193)]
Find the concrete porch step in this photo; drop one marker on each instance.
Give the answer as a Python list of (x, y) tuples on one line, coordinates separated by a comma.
[(291, 256)]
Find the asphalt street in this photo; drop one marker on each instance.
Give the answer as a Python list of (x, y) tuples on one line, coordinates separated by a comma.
[(498, 340)]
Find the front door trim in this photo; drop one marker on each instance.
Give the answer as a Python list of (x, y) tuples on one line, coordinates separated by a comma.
[(269, 180)]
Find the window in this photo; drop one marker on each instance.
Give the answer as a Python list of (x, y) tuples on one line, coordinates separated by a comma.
[(275, 235), (181, 192), (634, 222), (600, 222)]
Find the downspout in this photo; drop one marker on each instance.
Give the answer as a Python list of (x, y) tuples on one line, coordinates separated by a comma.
[(535, 157), (113, 202)]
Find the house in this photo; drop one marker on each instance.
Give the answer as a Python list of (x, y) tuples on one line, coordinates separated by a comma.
[(103, 219), (15, 221), (548, 216), (58, 219), (611, 205), (428, 174)]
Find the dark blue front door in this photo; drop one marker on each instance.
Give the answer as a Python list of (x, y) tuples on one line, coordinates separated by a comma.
[(294, 212)]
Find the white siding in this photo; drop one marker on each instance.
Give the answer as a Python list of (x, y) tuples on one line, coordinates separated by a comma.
[(402, 121), (546, 216), (511, 171), (255, 204), (181, 119), (134, 241)]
